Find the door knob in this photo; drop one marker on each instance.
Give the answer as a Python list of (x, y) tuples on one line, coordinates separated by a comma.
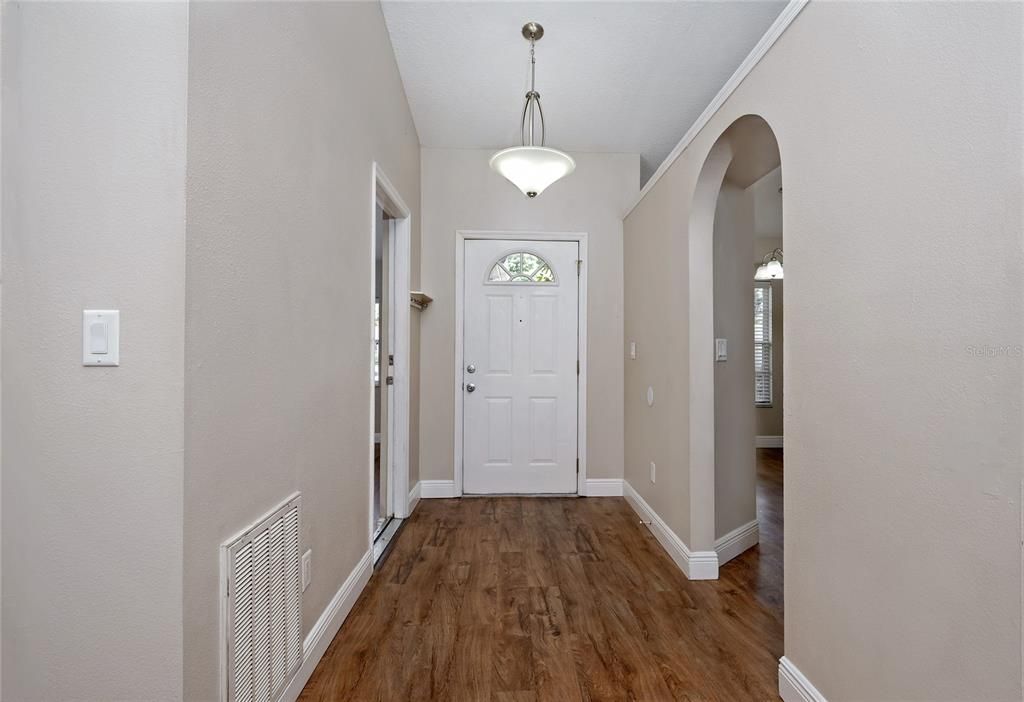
[(471, 368), (470, 387)]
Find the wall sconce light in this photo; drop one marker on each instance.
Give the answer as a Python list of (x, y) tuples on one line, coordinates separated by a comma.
[(771, 266)]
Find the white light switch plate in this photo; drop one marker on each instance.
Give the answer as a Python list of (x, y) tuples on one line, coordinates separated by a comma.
[(721, 349), (101, 337)]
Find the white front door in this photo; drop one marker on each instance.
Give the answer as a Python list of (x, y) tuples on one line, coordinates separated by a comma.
[(519, 378)]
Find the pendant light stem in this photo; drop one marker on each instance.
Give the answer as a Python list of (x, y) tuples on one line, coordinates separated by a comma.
[(540, 113), (532, 109), (533, 66), (530, 95), (522, 125)]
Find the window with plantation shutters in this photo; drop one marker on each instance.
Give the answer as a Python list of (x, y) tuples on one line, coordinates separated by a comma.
[(763, 344)]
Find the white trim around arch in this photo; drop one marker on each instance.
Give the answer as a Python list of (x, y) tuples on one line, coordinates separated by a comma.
[(701, 334), (581, 432)]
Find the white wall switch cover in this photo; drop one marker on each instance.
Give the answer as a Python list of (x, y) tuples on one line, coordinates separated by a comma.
[(650, 396), (721, 349), (654, 472), (632, 350), (101, 336)]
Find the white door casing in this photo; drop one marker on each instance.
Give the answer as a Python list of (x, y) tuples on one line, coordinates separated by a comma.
[(383, 193), (520, 412)]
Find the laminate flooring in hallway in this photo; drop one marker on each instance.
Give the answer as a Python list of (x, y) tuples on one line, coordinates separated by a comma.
[(519, 599)]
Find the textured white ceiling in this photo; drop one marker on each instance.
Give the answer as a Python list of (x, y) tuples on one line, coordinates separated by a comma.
[(613, 76)]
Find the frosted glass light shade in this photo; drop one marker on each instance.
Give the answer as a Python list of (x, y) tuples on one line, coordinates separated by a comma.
[(769, 271), (532, 168), (773, 269)]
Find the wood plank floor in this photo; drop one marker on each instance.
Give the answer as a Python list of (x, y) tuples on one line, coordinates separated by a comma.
[(528, 599)]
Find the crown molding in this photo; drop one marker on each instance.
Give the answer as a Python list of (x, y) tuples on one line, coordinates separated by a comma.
[(775, 31)]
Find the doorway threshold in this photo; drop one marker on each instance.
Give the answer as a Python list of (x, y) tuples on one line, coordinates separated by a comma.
[(381, 543)]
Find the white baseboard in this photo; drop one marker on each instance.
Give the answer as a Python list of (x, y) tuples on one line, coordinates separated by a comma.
[(737, 541), (604, 487), (414, 497), (595, 487), (430, 489), (768, 441), (696, 565), (794, 686), (326, 627)]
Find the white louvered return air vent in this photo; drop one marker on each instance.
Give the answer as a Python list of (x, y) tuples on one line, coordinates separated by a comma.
[(263, 613)]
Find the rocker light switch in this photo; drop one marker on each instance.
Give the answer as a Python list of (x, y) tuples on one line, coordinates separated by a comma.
[(721, 349), (100, 337), (97, 337)]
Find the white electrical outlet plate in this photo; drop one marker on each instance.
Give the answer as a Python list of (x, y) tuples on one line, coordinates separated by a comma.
[(307, 568), (101, 337), (653, 471)]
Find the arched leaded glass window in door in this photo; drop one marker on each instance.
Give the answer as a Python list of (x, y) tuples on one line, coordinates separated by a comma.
[(521, 267)]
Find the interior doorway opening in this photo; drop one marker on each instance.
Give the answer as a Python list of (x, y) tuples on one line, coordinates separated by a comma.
[(736, 391), (769, 347), (748, 338), (383, 363), (389, 415)]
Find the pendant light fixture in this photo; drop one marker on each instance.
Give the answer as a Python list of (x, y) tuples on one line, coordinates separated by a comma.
[(529, 167), (771, 266)]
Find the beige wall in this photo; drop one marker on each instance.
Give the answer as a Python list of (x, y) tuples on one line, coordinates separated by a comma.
[(735, 474), (289, 105), (903, 444), (461, 192), (654, 263), (94, 206), (2, 102), (768, 202)]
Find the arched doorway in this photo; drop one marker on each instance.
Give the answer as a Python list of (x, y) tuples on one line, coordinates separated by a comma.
[(738, 172)]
